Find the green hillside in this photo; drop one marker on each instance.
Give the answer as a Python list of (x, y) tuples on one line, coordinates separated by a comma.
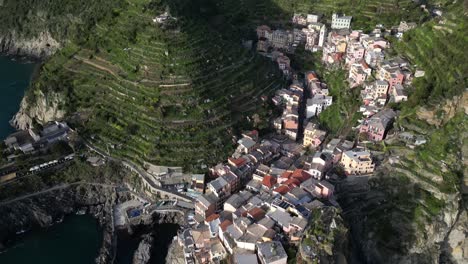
[(438, 48), (64, 19), (164, 94)]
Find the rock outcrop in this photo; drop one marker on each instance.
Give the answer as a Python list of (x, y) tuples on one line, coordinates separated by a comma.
[(39, 47), (326, 239), (143, 253), (44, 210), (456, 244), (441, 114), (44, 109), (390, 226), (175, 254)]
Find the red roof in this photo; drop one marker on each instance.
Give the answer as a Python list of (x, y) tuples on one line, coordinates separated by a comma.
[(269, 181), (311, 76), (237, 162), (224, 225), (297, 173), (256, 213), (283, 189), (286, 175), (300, 175), (293, 182), (212, 217)]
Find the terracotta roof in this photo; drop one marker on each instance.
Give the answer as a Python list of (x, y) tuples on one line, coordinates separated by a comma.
[(293, 182), (212, 217), (286, 175), (237, 162), (300, 175), (269, 181), (283, 189), (256, 213), (224, 225), (297, 173), (311, 76)]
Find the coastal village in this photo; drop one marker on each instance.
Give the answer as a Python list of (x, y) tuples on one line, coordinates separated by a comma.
[(234, 132), (260, 200)]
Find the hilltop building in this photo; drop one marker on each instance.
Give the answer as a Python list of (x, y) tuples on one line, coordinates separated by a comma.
[(357, 162), (341, 21)]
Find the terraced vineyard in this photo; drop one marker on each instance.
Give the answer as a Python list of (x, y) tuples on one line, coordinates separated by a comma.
[(366, 13), (164, 94), (438, 48)]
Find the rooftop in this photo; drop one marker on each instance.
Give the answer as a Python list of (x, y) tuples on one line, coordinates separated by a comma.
[(271, 251)]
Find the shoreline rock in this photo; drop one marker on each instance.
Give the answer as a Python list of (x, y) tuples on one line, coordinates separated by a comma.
[(45, 108), (143, 253), (44, 210), (38, 48), (175, 254)]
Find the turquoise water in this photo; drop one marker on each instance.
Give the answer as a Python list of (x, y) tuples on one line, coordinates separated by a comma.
[(14, 79), (74, 241)]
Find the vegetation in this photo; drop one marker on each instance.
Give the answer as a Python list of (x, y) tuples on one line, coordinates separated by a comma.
[(339, 118), (167, 94), (326, 235), (437, 47), (67, 19)]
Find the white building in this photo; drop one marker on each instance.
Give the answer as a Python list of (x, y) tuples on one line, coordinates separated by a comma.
[(322, 35), (340, 22), (317, 104), (311, 18)]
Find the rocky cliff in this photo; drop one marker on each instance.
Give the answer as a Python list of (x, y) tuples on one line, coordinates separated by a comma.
[(45, 108), (394, 222), (39, 47), (456, 244), (326, 240), (44, 210), (153, 238), (175, 254), (143, 253)]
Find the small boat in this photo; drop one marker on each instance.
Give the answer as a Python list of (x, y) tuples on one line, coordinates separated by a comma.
[(81, 212), (20, 232)]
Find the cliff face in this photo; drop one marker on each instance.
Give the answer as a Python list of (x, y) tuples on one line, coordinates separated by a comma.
[(39, 47), (326, 239), (390, 226), (456, 244), (44, 109), (43, 210), (143, 253)]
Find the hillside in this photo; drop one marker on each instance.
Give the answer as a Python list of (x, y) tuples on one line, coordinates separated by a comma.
[(63, 19), (164, 94), (39, 28), (176, 94)]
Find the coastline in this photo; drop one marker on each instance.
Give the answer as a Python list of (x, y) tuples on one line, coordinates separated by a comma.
[(46, 209)]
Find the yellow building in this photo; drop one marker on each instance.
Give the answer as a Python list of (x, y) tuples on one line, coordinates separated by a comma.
[(357, 162), (313, 136)]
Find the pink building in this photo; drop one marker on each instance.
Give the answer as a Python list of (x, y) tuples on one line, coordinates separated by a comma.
[(376, 126), (324, 189), (396, 77), (358, 73)]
